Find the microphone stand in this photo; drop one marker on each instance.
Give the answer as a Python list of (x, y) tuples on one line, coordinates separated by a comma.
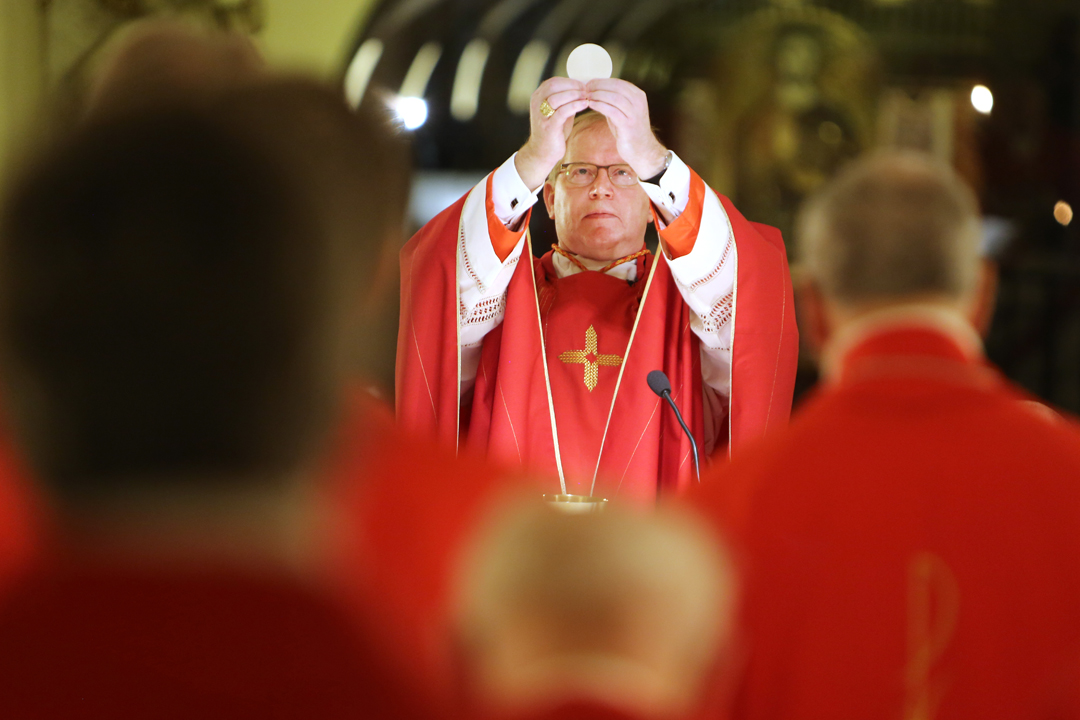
[(693, 443), (661, 386)]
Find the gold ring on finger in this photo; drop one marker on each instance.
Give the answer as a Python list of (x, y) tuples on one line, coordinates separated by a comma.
[(546, 110)]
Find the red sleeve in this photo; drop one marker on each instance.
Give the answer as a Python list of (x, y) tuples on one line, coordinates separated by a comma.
[(426, 378), (766, 336)]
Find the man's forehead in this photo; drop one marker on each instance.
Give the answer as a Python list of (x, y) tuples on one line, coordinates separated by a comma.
[(592, 142)]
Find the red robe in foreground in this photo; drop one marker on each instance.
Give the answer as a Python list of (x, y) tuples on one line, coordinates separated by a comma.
[(520, 413), (408, 510), (87, 639), (22, 518), (911, 545)]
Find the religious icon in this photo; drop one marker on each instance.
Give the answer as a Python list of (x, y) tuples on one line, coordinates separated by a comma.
[(792, 99)]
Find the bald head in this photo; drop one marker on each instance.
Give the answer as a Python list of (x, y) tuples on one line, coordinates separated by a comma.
[(891, 227), (620, 604), (155, 60)]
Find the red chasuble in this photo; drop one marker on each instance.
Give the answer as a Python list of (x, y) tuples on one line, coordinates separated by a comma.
[(531, 403), (587, 320), (408, 509), (909, 545)]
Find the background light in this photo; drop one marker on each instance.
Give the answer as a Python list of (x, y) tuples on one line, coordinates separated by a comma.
[(360, 71), (412, 111), (465, 98), (982, 99), (1063, 212), (528, 72)]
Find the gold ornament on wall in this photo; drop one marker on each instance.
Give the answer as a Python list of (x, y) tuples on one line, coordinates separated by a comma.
[(789, 98)]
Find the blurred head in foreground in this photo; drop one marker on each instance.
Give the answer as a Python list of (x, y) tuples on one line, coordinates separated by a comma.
[(619, 609), (178, 305), (893, 232), (155, 60)]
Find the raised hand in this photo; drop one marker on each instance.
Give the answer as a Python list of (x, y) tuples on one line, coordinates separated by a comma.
[(627, 111), (551, 116)]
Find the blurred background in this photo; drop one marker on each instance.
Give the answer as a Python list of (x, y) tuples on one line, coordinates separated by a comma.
[(764, 98)]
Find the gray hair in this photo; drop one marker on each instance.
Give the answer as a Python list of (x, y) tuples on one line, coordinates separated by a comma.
[(892, 225)]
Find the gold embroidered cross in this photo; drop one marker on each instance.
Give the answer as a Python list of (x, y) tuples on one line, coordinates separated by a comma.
[(590, 358)]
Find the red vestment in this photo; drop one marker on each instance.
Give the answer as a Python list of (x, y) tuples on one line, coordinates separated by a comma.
[(21, 517), (80, 639), (409, 509), (909, 545), (513, 417)]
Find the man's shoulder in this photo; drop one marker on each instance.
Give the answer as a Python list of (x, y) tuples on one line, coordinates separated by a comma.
[(916, 408), (841, 437)]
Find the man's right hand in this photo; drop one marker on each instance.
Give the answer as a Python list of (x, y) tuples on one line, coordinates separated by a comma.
[(547, 135)]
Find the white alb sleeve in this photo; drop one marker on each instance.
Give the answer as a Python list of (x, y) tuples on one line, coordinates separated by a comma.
[(672, 192), (483, 278)]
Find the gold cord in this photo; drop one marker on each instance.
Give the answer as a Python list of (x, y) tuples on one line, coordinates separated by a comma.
[(572, 258)]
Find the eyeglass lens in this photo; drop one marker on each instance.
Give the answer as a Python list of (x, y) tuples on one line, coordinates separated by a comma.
[(585, 174)]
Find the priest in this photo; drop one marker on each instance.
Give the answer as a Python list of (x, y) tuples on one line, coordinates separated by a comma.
[(908, 545), (543, 362)]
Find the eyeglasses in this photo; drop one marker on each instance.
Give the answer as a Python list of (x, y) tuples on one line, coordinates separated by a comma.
[(585, 173)]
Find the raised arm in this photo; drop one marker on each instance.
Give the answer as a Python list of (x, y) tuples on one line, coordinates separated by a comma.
[(496, 214)]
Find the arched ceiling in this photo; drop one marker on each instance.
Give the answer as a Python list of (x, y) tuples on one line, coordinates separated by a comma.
[(475, 62)]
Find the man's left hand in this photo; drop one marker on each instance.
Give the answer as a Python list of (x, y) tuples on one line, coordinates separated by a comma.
[(627, 111)]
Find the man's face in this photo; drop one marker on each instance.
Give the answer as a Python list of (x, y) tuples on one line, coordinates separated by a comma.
[(599, 221)]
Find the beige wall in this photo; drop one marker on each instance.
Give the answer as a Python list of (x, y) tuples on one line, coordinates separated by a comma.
[(314, 35), (310, 35), (21, 73)]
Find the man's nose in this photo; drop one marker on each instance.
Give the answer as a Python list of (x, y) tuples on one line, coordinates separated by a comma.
[(601, 186)]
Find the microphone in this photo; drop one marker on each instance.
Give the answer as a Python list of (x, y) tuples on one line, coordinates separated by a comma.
[(659, 384)]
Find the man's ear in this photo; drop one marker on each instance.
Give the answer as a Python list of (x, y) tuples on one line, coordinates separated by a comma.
[(984, 301), (549, 199), (815, 322)]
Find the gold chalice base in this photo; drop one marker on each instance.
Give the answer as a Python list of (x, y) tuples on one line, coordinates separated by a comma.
[(576, 504)]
